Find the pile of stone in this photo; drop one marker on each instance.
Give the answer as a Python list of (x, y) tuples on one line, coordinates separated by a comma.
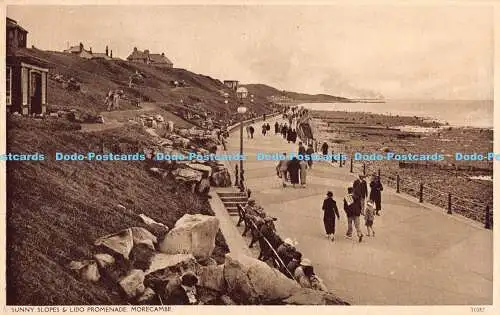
[(146, 263), (77, 116)]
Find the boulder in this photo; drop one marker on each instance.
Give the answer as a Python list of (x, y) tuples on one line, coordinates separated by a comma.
[(87, 270), (212, 277), (192, 234), (147, 297), (161, 261), (251, 280), (133, 283), (305, 296), (200, 167), (155, 227), (187, 174), (227, 300), (221, 178), (104, 260), (143, 236), (120, 243)]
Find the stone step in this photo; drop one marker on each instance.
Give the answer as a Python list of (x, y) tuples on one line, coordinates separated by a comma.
[(233, 204), (232, 209), (232, 194), (234, 199)]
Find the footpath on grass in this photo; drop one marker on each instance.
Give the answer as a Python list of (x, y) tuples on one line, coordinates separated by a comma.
[(420, 255)]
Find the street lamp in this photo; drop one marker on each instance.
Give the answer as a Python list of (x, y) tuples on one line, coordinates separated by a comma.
[(241, 110)]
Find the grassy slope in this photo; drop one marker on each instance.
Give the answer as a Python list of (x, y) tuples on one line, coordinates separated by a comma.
[(99, 76), (56, 210)]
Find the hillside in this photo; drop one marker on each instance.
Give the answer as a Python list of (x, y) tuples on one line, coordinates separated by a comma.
[(98, 76), (57, 209), (267, 91)]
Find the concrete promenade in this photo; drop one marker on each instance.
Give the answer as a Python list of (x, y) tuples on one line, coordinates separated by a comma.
[(420, 255)]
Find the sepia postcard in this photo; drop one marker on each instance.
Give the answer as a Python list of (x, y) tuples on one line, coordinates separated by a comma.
[(292, 156)]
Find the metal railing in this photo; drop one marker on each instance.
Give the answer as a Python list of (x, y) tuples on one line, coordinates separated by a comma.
[(472, 209)]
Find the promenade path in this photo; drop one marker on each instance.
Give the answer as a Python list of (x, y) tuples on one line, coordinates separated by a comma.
[(420, 255)]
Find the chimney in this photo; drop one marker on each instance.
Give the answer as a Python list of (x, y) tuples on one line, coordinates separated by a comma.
[(90, 49), (146, 51), (106, 50), (111, 53), (81, 47), (163, 54), (135, 48)]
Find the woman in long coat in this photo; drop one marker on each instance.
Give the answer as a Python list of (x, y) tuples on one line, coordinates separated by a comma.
[(293, 170), (303, 173), (376, 193), (330, 210)]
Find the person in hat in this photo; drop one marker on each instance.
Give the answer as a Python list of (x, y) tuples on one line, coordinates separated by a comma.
[(282, 170), (286, 250), (185, 292), (360, 190), (294, 263), (305, 276), (330, 210), (370, 217), (376, 193)]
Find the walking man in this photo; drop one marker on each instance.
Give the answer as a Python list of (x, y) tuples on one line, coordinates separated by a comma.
[(352, 209), (252, 130), (330, 210), (376, 193), (360, 191), (282, 169)]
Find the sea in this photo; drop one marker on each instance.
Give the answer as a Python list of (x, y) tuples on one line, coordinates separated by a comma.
[(460, 113)]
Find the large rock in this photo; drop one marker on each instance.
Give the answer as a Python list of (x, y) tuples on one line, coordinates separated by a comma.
[(212, 277), (104, 260), (143, 236), (87, 270), (250, 280), (163, 261), (133, 283), (157, 228), (121, 242), (192, 234), (187, 174), (306, 296), (147, 297), (221, 178)]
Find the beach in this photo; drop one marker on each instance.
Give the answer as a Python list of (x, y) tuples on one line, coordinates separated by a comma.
[(468, 182)]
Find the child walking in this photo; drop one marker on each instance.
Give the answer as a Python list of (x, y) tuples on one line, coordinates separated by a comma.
[(370, 217)]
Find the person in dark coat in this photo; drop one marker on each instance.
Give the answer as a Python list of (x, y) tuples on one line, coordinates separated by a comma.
[(264, 129), (293, 171), (276, 128), (309, 153), (360, 191), (184, 293), (376, 193), (251, 129), (324, 148), (302, 149), (268, 127), (294, 135), (289, 136), (330, 210), (294, 263), (284, 131), (352, 209)]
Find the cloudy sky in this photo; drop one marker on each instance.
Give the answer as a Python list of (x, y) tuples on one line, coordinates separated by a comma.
[(401, 52)]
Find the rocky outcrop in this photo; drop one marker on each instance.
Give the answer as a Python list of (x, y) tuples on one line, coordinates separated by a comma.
[(192, 234), (306, 296), (133, 284), (252, 281)]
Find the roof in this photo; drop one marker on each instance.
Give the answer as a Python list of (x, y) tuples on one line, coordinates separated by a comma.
[(24, 55), (13, 24), (73, 49), (137, 54), (159, 58)]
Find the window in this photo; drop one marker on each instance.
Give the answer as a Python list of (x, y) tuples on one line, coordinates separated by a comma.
[(8, 85)]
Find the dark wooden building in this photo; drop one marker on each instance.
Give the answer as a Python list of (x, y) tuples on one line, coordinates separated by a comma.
[(26, 75)]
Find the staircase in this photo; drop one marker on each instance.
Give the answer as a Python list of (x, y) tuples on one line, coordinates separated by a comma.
[(231, 199)]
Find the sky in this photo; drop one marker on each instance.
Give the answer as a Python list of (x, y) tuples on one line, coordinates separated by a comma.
[(400, 52)]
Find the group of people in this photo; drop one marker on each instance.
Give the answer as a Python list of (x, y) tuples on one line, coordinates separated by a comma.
[(295, 170), (355, 205), (297, 268), (265, 128), (112, 100)]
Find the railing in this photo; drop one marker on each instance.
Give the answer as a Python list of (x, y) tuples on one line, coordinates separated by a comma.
[(426, 193)]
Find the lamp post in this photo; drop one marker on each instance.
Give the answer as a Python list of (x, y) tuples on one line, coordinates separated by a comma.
[(241, 110)]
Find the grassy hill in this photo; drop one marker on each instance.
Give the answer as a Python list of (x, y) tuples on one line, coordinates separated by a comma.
[(57, 209)]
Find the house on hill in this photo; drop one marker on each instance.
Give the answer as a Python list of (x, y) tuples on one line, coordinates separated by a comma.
[(151, 59), (232, 84), (80, 51), (26, 76)]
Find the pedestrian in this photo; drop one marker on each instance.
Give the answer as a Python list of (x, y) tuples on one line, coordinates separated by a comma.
[(294, 135), (109, 100), (309, 153), (295, 263), (284, 131), (330, 210), (287, 250), (302, 150), (247, 128), (224, 143), (268, 127), (264, 129), (276, 128), (252, 130), (289, 136), (303, 173), (360, 190), (376, 189), (353, 211), (370, 217), (293, 171), (324, 148), (282, 169)]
